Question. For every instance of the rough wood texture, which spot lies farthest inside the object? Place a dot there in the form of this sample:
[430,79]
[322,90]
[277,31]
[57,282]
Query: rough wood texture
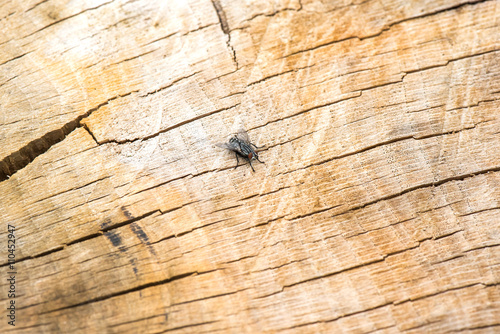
[378,208]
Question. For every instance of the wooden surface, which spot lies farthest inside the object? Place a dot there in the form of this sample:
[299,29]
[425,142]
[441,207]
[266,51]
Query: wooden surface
[377,209]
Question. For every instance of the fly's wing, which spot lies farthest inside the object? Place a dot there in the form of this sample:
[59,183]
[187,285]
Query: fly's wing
[243,135]
[224,145]
[229,146]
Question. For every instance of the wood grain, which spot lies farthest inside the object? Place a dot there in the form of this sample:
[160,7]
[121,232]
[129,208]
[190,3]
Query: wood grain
[377,208]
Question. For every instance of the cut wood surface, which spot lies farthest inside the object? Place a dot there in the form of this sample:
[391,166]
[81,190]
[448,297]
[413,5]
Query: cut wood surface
[377,209]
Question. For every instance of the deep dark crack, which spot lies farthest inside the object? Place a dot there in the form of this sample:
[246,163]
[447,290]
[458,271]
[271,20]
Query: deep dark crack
[225,28]
[21,158]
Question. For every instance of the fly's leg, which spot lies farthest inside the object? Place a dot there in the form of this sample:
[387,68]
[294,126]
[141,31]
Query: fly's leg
[257,147]
[237,160]
[250,161]
[259,160]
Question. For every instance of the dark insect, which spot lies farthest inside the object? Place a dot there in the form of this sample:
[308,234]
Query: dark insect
[240,144]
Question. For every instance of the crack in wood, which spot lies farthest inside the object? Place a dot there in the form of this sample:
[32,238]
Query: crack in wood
[25,155]
[138,320]
[448,259]
[131,290]
[386,28]
[197,324]
[36,5]
[270,192]
[211,297]
[339,317]
[221,16]
[352,96]
[101,232]
[374,229]
[242,26]
[315,278]
[421,186]
[387,142]
[421,325]
[360,92]
[475,328]
[240,259]
[480,211]
[179,34]
[70,189]
[190,120]
[225,28]
[273,76]
[363,265]
[447,62]
[280,266]
[226,208]
[67,18]
[131,58]
[411,300]
[15,58]
[482,247]
[263,223]
[449,234]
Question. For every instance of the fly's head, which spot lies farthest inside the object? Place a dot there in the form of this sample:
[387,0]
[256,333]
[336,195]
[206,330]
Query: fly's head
[253,155]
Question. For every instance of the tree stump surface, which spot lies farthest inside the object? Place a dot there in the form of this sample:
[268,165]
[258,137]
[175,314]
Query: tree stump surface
[377,209]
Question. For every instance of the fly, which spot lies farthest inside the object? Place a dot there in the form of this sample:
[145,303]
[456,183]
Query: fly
[241,146]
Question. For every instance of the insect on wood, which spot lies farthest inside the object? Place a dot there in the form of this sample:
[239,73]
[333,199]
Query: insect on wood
[241,146]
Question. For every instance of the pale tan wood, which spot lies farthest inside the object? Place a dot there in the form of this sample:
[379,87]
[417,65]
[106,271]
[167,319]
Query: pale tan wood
[377,209]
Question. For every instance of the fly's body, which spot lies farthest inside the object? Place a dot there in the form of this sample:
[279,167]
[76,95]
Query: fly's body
[241,146]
